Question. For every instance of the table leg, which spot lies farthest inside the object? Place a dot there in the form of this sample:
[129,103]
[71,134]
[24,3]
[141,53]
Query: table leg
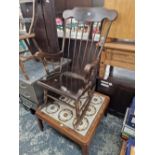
[40,124]
[85,149]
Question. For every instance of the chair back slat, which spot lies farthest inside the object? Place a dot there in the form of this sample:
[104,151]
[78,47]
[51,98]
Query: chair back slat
[70,33]
[86,44]
[79,52]
[75,45]
[92,41]
[90,14]
[84,33]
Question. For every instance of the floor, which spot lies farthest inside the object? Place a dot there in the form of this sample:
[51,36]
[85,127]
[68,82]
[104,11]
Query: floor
[49,142]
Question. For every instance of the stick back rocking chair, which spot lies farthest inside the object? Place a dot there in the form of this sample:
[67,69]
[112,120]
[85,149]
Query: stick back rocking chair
[85,30]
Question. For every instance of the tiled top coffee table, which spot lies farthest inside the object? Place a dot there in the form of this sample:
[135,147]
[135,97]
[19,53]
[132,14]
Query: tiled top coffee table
[62,118]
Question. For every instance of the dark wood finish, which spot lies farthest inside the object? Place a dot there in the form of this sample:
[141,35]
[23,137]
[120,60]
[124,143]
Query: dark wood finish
[62,5]
[42,40]
[83,141]
[39,55]
[80,3]
[90,14]
[44,24]
[120,87]
[40,124]
[80,76]
[85,149]
[45,27]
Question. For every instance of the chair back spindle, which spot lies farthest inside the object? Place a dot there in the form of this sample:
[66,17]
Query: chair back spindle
[83,30]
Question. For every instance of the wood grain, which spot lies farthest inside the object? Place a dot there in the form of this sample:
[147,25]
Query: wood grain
[119,55]
[124,26]
[123,149]
[120,46]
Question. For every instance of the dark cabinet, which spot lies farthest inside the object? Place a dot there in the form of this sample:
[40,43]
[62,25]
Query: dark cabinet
[120,88]
[62,5]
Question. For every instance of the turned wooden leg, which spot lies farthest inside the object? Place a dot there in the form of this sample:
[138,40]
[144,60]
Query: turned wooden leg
[40,124]
[45,66]
[85,150]
[23,70]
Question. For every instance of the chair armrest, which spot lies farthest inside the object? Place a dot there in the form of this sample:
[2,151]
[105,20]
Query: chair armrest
[73,75]
[26,58]
[26,36]
[41,54]
[88,68]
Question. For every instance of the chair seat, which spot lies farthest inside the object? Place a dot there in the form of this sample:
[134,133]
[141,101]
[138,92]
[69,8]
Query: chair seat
[69,87]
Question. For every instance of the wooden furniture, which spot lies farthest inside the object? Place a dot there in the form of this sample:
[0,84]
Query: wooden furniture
[83,141]
[119,51]
[79,78]
[119,55]
[62,5]
[124,26]
[27,38]
[39,17]
[38,55]
[30,93]
[41,37]
[123,149]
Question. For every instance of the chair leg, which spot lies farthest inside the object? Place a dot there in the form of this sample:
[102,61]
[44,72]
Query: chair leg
[45,96]
[45,66]
[40,124]
[85,149]
[23,70]
[78,115]
[77,108]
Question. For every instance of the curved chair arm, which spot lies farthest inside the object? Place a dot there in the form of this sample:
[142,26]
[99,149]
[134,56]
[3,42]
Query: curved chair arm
[24,58]
[89,67]
[42,55]
[73,75]
[26,36]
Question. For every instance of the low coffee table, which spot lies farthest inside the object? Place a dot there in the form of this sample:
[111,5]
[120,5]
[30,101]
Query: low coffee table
[62,117]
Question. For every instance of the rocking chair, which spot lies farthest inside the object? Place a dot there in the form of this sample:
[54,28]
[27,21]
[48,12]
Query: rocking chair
[83,44]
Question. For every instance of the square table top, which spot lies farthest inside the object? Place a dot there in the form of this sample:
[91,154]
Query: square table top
[66,128]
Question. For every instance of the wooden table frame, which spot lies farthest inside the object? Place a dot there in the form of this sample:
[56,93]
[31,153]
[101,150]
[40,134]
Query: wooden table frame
[118,55]
[123,149]
[83,141]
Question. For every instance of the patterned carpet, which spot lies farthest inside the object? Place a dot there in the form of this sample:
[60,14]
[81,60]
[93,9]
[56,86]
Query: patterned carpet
[34,142]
